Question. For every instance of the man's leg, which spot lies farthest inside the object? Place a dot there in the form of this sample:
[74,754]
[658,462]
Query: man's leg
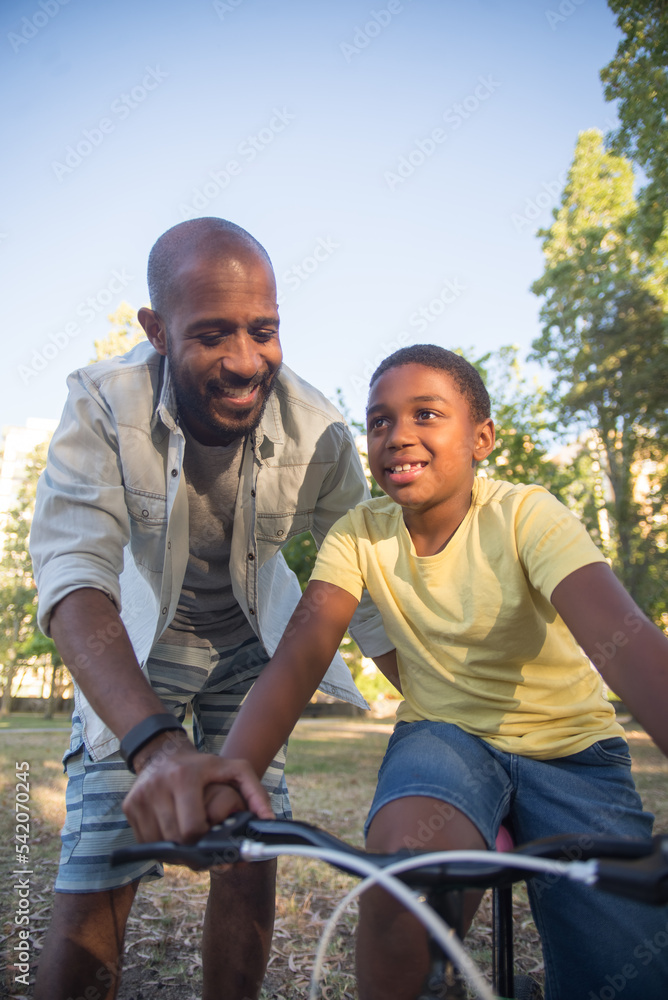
[238,925]
[82,950]
[92,900]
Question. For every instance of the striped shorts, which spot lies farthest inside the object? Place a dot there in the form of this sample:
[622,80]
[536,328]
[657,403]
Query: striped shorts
[213,682]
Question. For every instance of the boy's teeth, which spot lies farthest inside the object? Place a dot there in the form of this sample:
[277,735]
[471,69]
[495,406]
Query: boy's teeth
[402,468]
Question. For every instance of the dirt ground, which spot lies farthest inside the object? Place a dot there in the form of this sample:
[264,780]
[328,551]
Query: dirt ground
[331,781]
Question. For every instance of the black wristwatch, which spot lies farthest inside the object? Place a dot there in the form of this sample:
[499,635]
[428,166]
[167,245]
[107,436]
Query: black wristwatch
[143,733]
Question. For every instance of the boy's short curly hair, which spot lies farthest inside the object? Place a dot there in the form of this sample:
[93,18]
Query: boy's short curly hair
[461,371]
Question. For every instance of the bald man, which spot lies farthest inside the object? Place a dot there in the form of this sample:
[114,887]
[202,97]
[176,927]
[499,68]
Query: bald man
[176,475]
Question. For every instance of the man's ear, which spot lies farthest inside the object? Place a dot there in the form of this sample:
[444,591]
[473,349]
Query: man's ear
[155,329]
[485,440]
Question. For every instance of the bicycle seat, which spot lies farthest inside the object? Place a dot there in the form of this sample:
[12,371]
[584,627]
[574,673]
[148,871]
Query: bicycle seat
[504,839]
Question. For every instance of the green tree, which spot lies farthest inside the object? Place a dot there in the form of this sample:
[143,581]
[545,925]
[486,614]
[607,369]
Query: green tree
[523,428]
[603,339]
[18,596]
[125,332]
[637,78]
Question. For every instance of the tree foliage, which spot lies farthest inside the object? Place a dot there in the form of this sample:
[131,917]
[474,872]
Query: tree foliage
[604,340]
[20,639]
[125,332]
[637,78]
[18,596]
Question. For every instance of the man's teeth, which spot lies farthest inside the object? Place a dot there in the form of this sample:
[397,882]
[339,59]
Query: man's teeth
[238,393]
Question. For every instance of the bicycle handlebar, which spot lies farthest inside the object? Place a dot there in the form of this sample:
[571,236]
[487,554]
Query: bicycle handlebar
[637,869]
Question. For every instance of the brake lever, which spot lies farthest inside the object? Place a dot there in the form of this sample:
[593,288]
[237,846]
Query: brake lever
[645,879]
[220,846]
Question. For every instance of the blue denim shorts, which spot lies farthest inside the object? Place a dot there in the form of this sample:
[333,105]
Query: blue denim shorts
[591,940]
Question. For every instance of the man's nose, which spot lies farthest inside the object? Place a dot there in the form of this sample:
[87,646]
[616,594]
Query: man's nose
[241,356]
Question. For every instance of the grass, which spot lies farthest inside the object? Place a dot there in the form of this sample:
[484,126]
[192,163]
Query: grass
[332,770]
[32,720]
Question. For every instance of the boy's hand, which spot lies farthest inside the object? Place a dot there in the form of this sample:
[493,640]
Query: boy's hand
[180,793]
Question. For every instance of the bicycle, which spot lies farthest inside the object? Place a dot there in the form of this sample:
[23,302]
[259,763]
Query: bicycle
[631,868]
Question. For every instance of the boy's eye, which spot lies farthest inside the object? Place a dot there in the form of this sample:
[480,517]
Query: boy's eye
[426,415]
[376,422]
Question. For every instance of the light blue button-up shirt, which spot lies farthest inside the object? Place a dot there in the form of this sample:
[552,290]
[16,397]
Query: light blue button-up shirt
[112,510]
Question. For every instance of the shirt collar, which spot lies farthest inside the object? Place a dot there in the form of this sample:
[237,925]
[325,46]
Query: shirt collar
[165,409]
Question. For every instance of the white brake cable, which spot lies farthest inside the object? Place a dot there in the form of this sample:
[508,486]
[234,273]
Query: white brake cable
[438,928]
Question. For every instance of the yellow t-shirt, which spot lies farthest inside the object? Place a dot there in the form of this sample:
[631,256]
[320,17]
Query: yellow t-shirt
[478,642]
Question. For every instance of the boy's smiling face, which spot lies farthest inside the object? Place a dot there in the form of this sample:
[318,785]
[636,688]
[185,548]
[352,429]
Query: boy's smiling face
[422,439]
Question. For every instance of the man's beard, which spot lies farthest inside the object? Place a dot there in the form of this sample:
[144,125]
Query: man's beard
[199,404]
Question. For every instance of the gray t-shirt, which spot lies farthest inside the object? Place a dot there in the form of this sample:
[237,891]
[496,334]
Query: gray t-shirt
[208,610]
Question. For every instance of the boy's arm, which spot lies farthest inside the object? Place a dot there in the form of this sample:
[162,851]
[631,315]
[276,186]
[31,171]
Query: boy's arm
[285,686]
[629,651]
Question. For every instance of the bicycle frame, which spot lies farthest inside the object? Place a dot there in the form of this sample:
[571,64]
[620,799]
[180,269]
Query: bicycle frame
[636,869]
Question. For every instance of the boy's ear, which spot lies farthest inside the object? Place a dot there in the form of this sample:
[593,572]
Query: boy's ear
[485,440]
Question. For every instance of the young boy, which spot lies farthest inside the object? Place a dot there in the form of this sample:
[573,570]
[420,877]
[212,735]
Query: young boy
[486,589]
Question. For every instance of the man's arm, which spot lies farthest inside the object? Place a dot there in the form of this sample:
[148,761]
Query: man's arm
[387,664]
[610,627]
[173,775]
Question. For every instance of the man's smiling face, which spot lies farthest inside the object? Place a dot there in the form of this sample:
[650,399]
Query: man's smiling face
[221,339]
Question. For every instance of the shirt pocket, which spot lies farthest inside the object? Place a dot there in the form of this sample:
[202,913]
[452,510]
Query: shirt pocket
[147,513]
[278,528]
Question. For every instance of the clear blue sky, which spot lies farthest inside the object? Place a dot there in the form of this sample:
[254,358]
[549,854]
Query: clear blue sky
[122,118]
